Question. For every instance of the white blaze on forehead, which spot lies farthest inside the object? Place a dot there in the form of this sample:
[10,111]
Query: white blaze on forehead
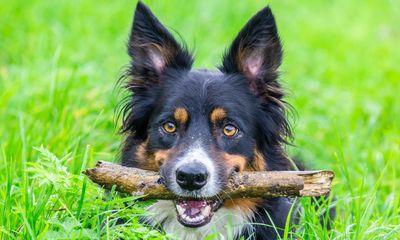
[197,154]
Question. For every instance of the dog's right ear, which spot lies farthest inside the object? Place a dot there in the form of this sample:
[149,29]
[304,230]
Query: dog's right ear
[153,49]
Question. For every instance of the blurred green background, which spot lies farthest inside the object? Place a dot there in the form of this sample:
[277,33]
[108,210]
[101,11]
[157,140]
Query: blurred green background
[60,60]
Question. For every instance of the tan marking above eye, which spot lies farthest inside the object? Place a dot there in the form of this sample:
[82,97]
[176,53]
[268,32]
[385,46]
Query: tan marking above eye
[229,130]
[181,115]
[218,114]
[169,127]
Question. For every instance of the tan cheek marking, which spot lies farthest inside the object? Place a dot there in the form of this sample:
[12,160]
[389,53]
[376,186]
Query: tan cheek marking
[181,115]
[217,115]
[141,151]
[161,156]
[148,161]
[259,162]
[249,205]
[246,205]
[143,158]
[233,160]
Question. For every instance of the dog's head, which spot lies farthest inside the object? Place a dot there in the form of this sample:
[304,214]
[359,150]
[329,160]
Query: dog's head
[197,126]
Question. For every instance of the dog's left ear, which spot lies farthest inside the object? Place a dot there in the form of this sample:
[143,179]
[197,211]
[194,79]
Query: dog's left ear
[256,53]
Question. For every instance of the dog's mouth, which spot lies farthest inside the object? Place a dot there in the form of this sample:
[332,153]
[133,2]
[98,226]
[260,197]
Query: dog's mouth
[196,213]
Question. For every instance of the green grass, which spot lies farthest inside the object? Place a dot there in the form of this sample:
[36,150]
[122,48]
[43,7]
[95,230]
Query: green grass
[59,61]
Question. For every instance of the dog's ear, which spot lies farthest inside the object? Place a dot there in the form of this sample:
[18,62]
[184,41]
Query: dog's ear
[256,53]
[152,48]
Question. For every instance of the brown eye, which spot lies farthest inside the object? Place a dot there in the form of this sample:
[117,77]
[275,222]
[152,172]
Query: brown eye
[169,127]
[229,130]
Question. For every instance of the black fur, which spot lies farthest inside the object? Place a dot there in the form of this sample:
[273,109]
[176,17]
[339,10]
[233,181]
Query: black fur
[160,79]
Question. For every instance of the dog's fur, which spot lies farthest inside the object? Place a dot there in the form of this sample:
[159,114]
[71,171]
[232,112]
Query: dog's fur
[244,92]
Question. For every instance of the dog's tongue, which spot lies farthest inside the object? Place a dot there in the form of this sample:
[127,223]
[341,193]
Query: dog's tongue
[196,203]
[194,207]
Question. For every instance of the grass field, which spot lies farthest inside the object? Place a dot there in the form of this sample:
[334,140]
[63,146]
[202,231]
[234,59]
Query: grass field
[60,60]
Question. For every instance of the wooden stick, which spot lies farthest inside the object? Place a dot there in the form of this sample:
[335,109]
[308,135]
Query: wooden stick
[265,184]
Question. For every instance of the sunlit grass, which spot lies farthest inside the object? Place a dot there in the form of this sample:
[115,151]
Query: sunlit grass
[59,61]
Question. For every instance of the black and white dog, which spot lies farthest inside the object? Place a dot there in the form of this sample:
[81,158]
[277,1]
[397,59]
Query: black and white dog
[196,127]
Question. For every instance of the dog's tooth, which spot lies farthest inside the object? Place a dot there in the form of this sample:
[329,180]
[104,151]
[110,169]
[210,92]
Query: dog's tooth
[180,209]
[215,204]
[206,211]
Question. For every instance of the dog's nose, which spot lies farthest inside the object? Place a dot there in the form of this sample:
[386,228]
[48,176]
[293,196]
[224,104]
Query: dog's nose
[191,177]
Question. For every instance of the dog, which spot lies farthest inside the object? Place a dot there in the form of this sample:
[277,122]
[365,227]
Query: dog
[197,127]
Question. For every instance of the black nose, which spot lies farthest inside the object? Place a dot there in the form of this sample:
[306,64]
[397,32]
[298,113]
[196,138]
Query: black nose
[191,177]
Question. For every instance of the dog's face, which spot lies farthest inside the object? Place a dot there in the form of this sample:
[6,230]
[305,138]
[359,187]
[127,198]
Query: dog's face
[197,127]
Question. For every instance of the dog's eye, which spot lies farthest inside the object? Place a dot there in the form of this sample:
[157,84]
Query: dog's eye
[169,127]
[230,130]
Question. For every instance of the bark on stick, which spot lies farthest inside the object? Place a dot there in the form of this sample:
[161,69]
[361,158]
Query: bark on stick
[263,184]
